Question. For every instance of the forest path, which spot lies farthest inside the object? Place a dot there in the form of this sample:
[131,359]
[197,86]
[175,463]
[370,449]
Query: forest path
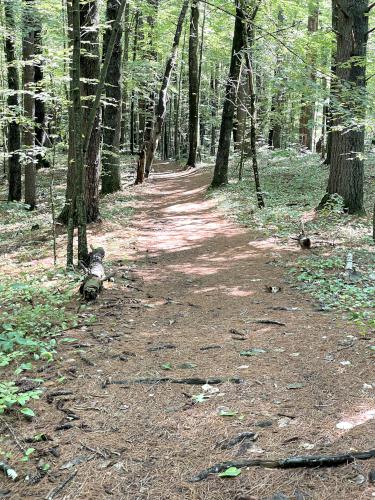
[187,306]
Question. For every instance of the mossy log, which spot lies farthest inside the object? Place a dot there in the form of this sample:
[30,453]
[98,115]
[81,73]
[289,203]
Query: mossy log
[93,283]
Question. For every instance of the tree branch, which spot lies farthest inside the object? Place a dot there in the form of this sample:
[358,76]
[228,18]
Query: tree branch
[371,6]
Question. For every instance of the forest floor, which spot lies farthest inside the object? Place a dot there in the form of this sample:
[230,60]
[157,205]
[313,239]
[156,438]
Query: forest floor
[191,299]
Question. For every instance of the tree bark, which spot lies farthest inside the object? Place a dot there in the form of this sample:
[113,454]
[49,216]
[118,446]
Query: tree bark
[163,94]
[125,65]
[329,110]
[307,116]
[193,85]
[133,124]
[90,71]
[28,47]
[277,103]
[14,133]
[177,107]
[111,178]
[347,166]
[222,157]
[41,136]
[214,99]
[78,204]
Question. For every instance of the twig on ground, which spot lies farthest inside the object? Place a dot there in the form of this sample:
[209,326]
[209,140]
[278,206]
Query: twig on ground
[51,495]
[22,448]
[269,322]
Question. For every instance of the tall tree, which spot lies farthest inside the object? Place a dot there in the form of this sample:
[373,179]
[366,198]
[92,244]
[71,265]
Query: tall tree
[14,133]
[193,84]
[307,117]
[41,136]
[161,107]
[28,50]
[278,97]
[222,156]
[78,205]
[90,73]
[332,99]
[348,139]
[111,178]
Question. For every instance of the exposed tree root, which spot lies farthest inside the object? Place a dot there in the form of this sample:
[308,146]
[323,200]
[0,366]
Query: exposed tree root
[287,463]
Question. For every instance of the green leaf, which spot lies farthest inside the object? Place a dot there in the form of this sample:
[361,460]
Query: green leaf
[228,413]
[28,412]
[230,472]
[199,398]
[167,366]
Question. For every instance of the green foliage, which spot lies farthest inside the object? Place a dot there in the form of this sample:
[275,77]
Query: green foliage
[33,314]
[327,281]
[10,396]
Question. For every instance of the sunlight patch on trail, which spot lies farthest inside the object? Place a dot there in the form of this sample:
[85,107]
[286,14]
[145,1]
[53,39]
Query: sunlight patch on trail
[356,420]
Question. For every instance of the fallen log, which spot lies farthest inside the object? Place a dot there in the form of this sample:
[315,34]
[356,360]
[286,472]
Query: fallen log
[309,461]
[163,380]
[93,283]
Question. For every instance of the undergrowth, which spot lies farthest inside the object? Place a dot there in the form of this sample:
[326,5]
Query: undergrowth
[33,316]
[35,296]
[293,185]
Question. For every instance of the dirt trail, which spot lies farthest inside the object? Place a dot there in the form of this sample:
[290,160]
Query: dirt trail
[197,279]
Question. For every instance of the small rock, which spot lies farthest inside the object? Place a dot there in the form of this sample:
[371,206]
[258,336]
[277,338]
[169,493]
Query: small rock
[344,426]
[371,476]
[295,386]
[367,386]
[284,422]
[264,423]
[278,496]
[360,479]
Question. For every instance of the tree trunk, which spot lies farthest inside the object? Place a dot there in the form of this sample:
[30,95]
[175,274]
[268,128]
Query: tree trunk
[14,133]
[28,46]
[222,157]
[125,64]
[327,161]
[150,55]
[111,178]
[278,97]
[193,85]
[177,107]
[133,124]
[78,204]
[347,169]
[307,117]
[90,73]
[248,42]
[163,94]
[214,88]
[41,136]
